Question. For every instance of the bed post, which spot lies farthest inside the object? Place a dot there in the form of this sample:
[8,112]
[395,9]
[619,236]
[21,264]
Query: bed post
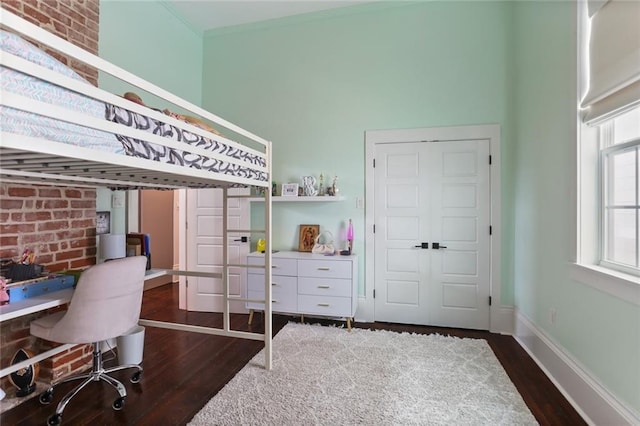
[225,259]
[268,334]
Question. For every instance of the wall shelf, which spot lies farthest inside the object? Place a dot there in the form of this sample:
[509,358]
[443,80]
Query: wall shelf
[302,199]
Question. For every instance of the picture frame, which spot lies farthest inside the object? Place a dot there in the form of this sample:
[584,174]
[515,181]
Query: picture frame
[289,189]
[103,223]
[307,237]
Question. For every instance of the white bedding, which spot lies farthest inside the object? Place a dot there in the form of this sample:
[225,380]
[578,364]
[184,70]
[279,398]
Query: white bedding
[29,124]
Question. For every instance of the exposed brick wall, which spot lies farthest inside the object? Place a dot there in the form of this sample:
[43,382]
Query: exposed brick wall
[58,223]
[74,20]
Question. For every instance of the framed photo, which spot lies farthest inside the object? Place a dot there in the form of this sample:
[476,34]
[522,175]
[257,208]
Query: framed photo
[103,223]
[289,189]
[308,234]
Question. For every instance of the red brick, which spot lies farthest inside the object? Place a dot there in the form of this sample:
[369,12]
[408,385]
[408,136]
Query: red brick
[6,204]
[17,228]
[7,241]
[21,192]
[83,204]
[11,252]
[53,226]
[46,259]
[73,193]
[84,223]
[61,214]
[80,263]
[52,204]
[37,238]
[37,216]
[87,242]
[49,193]
[66,255]
[69,234]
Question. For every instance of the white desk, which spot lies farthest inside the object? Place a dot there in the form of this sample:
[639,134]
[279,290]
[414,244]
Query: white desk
[44,302]
[35,304]
[51,300]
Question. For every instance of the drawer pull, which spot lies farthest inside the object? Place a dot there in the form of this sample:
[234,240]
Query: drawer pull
[326,305]
[324,286]
[324,268]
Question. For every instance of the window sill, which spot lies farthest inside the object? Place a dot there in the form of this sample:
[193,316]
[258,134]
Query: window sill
[618,284]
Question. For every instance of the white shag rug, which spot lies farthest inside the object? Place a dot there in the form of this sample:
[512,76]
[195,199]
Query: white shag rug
[330,376]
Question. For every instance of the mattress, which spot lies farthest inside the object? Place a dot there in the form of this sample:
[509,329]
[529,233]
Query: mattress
[30,124]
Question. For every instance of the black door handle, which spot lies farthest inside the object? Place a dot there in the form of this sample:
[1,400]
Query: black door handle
[437,246]
[423,246]
[243,239]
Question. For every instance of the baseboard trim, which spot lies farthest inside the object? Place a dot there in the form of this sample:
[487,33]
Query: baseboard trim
[588,396]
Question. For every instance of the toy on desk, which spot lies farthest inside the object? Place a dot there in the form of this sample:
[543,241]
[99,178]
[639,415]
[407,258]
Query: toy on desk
[23,269]
[4,295]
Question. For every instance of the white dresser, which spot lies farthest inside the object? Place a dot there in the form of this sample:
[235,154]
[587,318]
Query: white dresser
[306,284]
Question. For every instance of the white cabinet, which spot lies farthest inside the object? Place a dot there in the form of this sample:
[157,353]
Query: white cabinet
[306,284]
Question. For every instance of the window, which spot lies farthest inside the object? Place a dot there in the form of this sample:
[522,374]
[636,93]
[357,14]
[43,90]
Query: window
[608,148]
[619,183]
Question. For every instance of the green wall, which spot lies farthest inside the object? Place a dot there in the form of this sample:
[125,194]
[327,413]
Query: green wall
[146,39]
[314,84]
[600,331]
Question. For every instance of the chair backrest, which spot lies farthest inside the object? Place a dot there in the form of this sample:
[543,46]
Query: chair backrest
[106,302]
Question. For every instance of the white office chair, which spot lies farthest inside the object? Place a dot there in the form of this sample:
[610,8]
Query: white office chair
[105,304]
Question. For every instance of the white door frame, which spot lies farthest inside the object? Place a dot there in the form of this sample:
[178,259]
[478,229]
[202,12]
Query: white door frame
[501,319]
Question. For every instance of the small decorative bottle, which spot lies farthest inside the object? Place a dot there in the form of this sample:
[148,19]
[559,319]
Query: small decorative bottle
[321,186]
[350,236]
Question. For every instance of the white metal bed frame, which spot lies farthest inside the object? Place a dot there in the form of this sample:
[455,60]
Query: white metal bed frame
[32,160]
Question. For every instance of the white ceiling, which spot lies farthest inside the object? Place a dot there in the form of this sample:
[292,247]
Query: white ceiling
[210,14]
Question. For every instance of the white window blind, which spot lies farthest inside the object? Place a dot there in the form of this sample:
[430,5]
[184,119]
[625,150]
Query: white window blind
[614,59]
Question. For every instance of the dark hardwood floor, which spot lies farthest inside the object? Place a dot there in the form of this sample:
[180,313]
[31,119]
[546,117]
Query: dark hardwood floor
[185,370]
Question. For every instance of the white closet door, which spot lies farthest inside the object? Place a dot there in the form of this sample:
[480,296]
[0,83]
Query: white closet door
[432,192]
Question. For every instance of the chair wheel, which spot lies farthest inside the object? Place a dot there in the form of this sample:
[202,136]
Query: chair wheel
[136,377]
[54,420]
[46,397]
[118,403]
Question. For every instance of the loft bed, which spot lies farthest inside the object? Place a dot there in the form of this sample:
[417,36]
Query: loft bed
[58,129]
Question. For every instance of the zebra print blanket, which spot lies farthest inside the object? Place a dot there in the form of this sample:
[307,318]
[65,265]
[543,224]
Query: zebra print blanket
[142,149]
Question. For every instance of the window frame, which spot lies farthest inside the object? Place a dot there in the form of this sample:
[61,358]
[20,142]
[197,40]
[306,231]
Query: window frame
[608,147]
[585,265]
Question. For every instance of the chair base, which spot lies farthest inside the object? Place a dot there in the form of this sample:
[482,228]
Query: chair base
[97,373]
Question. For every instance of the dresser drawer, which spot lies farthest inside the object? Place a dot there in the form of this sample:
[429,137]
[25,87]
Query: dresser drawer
[278,266]
[324,268]
[324,286]
[280,301]
[255,282]
[325,305]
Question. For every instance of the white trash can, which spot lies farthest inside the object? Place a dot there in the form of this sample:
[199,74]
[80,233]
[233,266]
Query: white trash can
[131,346]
